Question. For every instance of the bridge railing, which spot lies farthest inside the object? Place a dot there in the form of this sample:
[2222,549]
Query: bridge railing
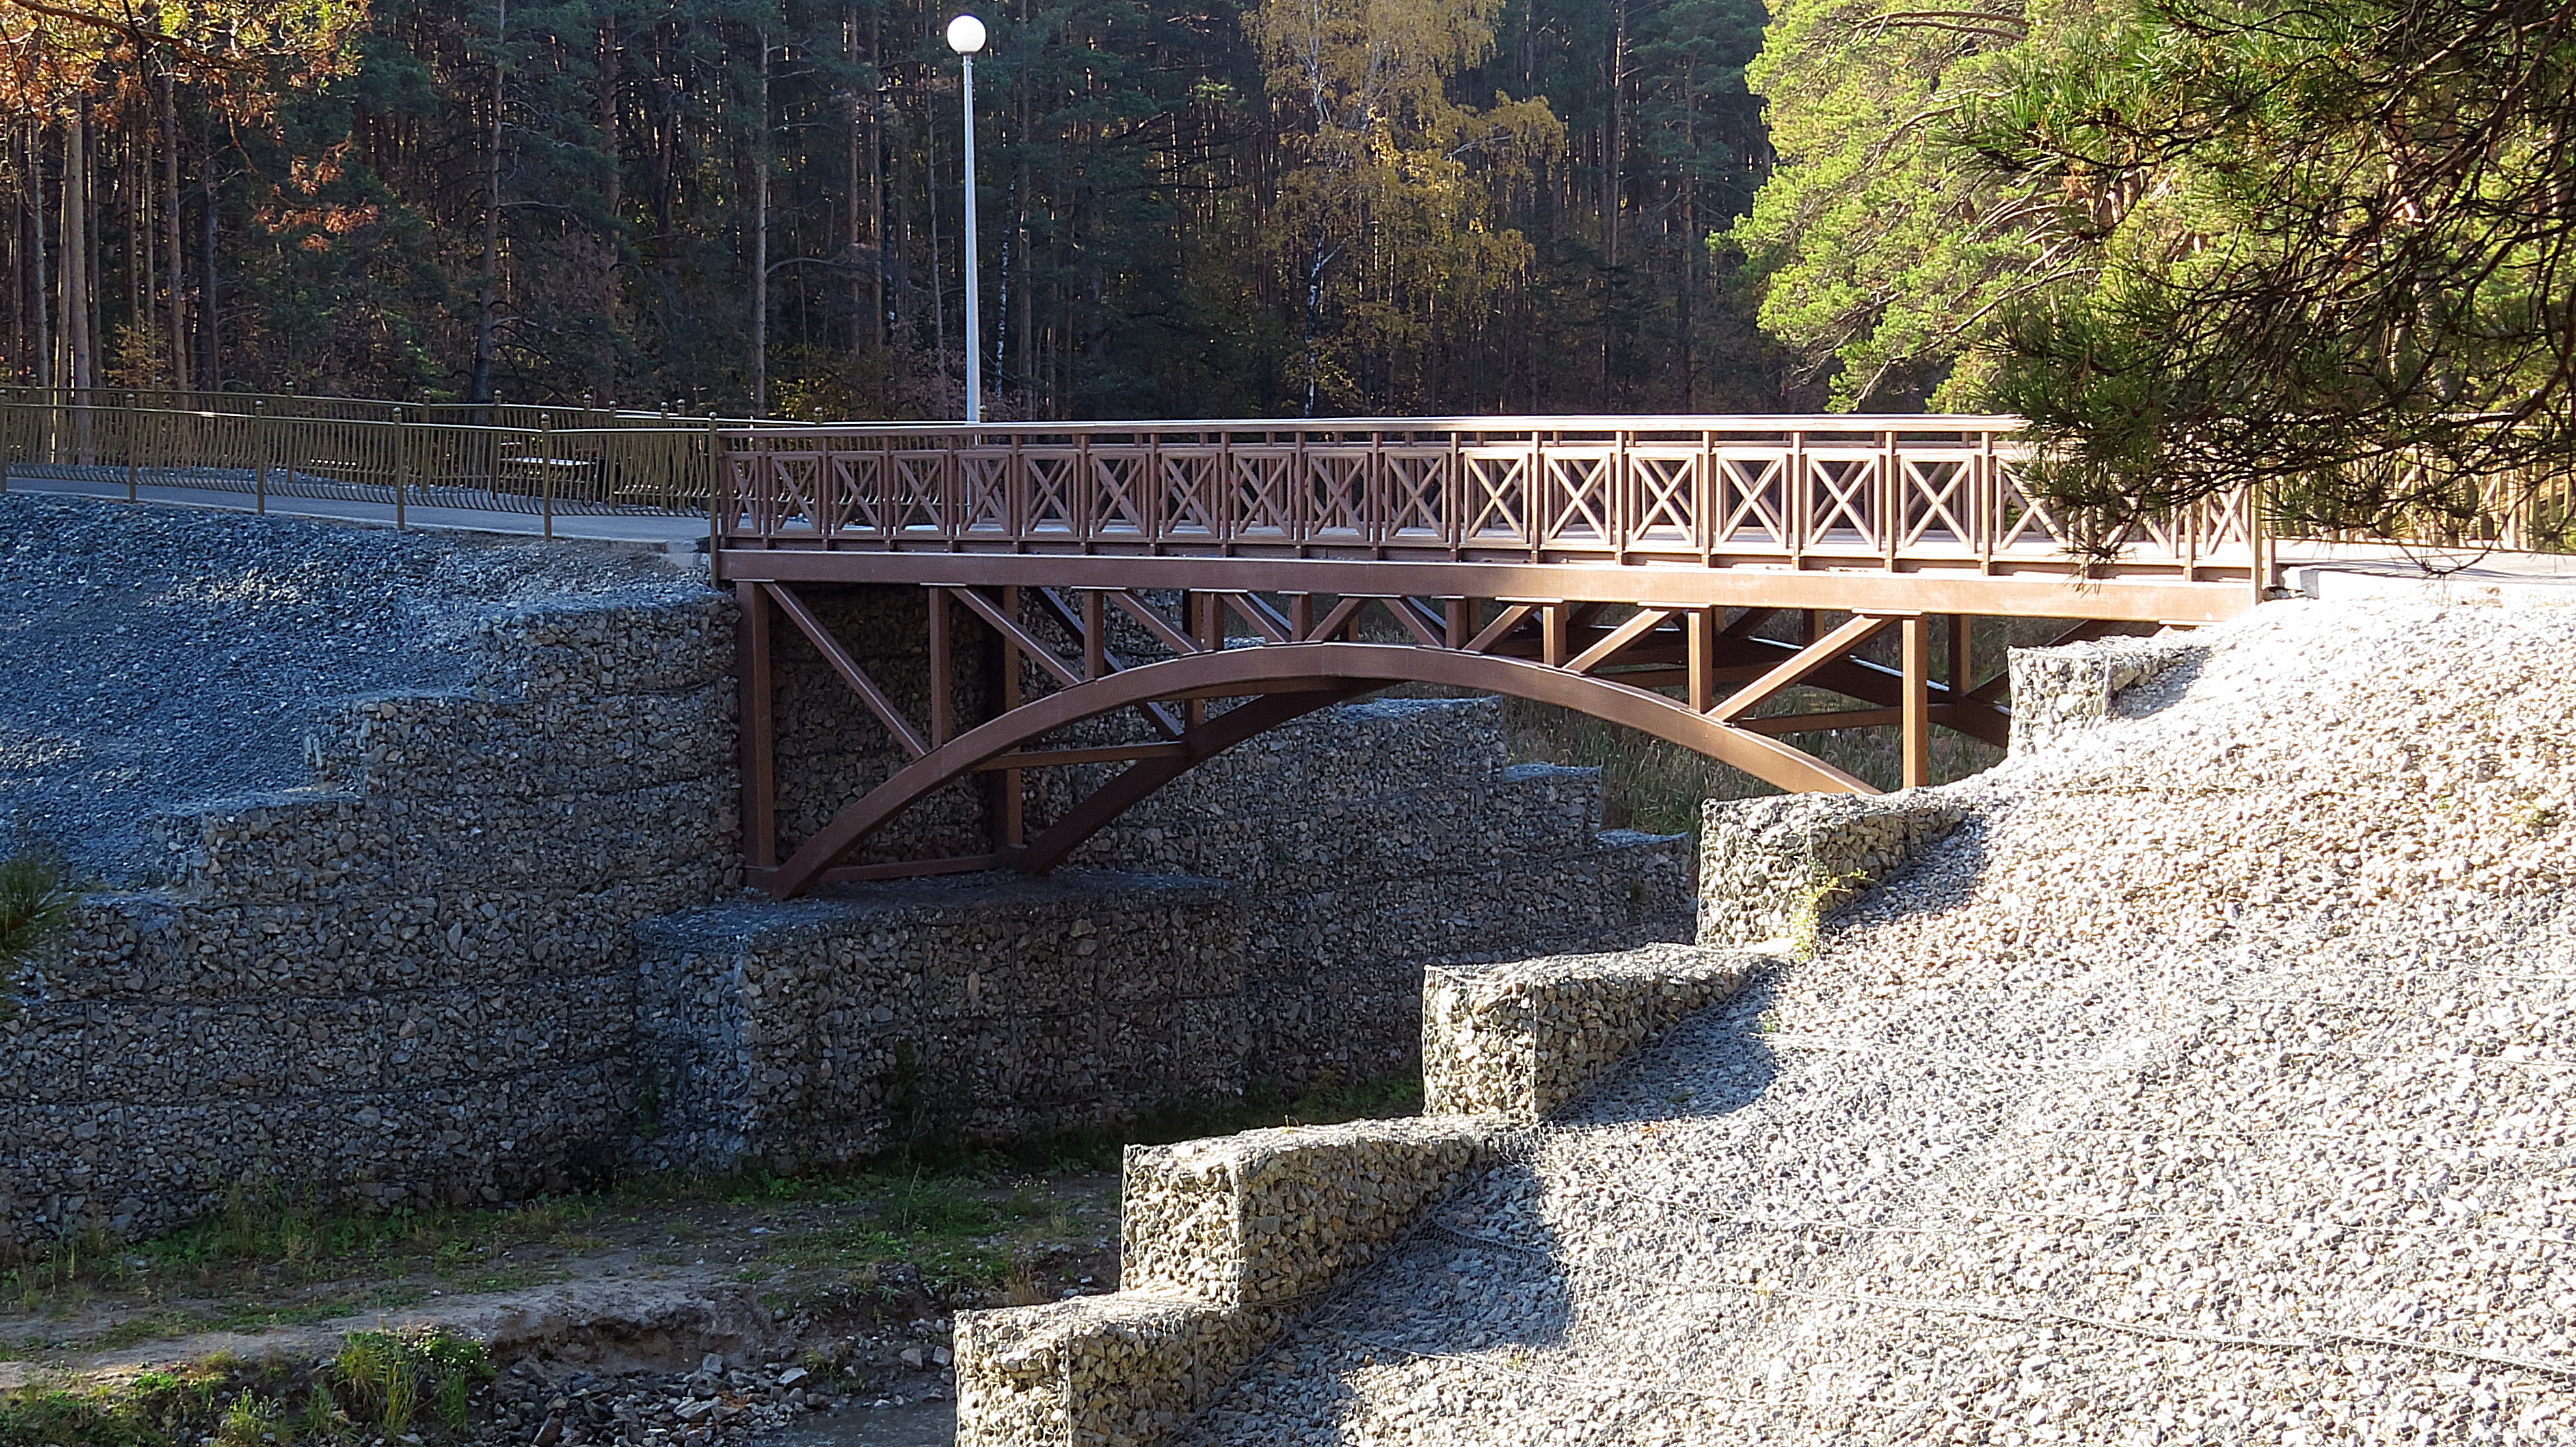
[1820,492]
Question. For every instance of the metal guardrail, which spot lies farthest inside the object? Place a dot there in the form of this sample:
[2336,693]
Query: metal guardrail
[365,409]
[405,460]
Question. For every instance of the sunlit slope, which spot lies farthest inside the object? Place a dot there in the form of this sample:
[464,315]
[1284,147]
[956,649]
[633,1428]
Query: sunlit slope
[2215,1083]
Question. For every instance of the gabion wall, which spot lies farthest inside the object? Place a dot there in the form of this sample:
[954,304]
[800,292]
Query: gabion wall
[421,978]
[411,982]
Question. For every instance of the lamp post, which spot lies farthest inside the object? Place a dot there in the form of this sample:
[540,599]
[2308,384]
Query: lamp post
[966,36]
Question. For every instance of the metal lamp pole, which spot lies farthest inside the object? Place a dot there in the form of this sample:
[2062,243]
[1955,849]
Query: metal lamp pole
[966,36]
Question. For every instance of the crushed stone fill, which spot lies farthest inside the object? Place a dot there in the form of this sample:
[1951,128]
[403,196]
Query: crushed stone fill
[2216,1083]
[154,657]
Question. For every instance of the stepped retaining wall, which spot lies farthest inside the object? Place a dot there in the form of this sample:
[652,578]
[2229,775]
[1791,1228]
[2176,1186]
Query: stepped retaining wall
[419,979]
[411,982]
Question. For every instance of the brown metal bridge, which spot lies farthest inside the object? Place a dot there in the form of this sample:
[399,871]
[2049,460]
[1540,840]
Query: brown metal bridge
[1618,566]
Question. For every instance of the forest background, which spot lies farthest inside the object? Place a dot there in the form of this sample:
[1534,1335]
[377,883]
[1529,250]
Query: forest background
[1292,207]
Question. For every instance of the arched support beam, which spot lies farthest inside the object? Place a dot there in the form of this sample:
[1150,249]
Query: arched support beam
[1283,671]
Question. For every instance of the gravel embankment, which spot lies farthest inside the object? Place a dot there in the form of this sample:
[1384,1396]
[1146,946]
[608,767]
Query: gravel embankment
[156,657]
[2216,1083]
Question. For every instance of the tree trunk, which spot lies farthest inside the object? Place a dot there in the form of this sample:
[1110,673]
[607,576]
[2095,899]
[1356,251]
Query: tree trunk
[93,294]
[614,201]
[760,246]
[854,199]
[876,189]
[80,349]
[170,236]
[487,301]
[134,188]
[41,289]
[210,355]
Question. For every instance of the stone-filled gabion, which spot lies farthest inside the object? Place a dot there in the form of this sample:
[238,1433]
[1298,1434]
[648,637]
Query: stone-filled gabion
[1521,1040]
[986,1008]
[1270,1215]
[1223,1240]
[2057,691]
[1098,1371]
[1769,869]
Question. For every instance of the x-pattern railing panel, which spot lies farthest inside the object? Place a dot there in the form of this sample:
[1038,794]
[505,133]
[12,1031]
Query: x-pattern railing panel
[1262,494]
[1049,483]
[1937,491]
[1580,485]
[1336,492]
[1798,491]
[1496,490]
[1120,486]
[1663,500]
[1416,482]
[1841,487]
[1748,500]
[1191,500]
[851,477]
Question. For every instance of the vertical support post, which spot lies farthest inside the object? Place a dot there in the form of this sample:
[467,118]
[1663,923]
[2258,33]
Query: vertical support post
[756,712]
[1962,670]
[719,498]
[1095,635]
[1917,633]
[1552,619]
[546,469]
[260,434]
[1301,608]
[1699,631]
[1004,806]
[1460,622]
[403,431]
[2258,542]
[133,417]
[943,719]
[1194,608]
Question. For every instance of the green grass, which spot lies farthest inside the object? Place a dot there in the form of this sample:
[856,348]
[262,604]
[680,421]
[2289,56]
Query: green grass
[386,1381]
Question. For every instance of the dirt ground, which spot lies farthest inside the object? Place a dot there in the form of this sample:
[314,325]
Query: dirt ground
[856,1276]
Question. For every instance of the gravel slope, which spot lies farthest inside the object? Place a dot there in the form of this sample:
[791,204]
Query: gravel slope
[2215,1084]
[154,656]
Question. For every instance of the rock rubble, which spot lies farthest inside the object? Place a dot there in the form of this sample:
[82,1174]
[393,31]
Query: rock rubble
[719,1402]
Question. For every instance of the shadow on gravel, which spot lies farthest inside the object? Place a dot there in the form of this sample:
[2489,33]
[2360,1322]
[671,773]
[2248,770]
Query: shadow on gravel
[1489,1283]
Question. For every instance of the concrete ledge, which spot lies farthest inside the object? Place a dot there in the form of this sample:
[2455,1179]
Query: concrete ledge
[1521,1040]
[1770,869]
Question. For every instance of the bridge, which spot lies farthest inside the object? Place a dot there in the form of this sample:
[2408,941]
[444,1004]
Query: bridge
[1216,580]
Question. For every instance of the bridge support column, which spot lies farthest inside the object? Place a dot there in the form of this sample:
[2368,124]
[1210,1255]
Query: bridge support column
[755,712]
[1916,632]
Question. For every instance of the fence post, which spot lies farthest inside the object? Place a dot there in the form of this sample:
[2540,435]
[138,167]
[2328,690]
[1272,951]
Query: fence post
[131,404]
[259,449]
[402,460]
[546,469]
[717,494]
